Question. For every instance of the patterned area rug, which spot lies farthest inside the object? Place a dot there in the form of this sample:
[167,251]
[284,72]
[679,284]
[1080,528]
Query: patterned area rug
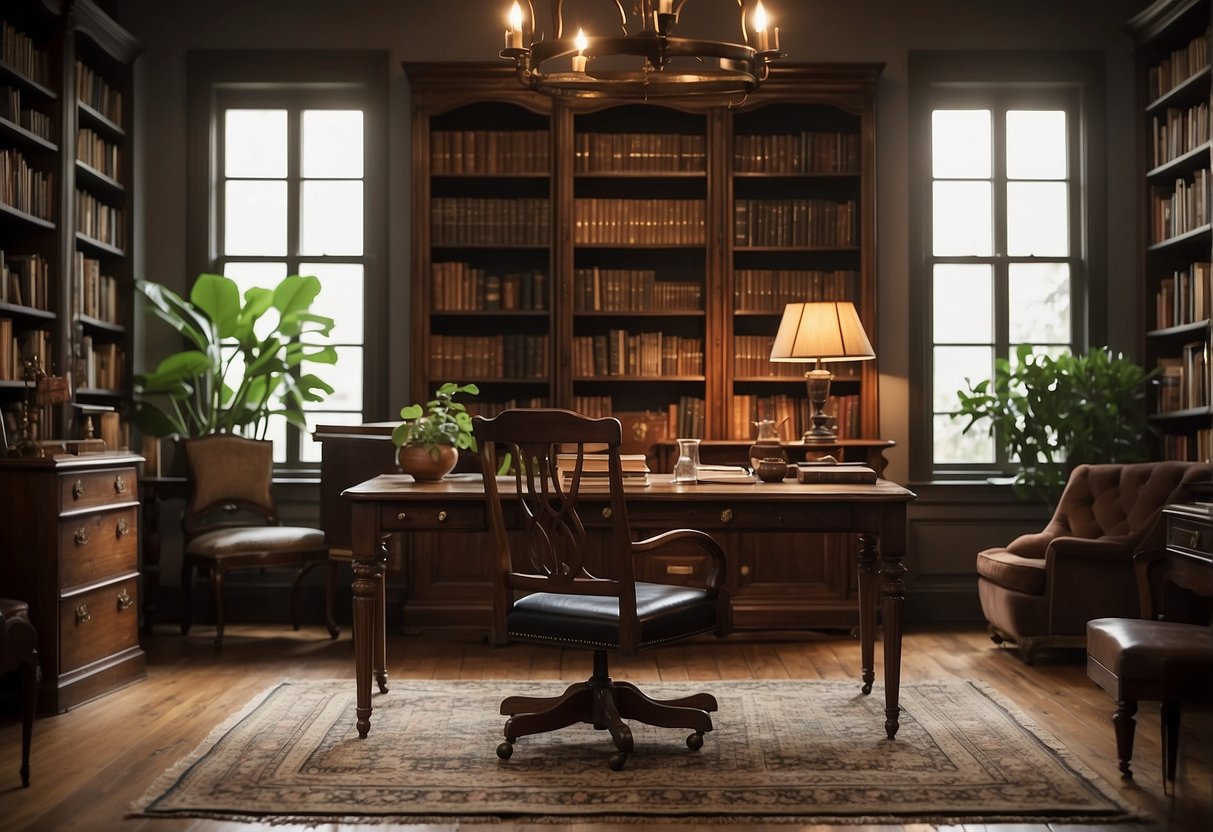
[803,751]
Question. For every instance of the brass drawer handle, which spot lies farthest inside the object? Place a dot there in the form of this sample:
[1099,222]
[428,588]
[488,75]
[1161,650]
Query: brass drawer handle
[675,569]
[122,528]
[402,516]
[726,515]
[442,516]
[1194,539]
[81,536]
[745,570]
[606,512]
[82,614]
[119,484]
[77,489]
[125,601]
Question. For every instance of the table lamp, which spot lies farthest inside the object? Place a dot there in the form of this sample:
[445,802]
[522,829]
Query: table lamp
[820,332]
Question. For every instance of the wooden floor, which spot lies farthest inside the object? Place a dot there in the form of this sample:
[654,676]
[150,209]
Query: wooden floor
[89,764]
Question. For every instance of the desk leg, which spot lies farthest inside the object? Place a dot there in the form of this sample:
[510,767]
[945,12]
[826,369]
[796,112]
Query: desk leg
[893,588]
[368,576]
[381,627]
[868,591]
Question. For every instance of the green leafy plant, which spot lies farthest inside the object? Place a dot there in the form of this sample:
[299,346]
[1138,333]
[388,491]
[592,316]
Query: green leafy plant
[442,421]
[245,362]
[1051,413]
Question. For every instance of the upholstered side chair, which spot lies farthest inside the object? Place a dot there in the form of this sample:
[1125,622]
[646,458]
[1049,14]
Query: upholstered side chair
[19,652]
[1041,589]
[231,522]
[567,578]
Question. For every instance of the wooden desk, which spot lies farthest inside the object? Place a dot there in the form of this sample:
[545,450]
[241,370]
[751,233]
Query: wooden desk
[877,513]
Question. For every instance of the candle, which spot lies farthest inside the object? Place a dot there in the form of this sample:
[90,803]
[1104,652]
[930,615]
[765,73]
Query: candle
[579,59]
[665,6]
[513,35]
[763,39]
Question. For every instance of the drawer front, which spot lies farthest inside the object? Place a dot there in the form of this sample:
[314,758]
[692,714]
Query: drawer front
[1190,536]
[94,489]
[95,546]
[403,518]
[98,623]
[683,569]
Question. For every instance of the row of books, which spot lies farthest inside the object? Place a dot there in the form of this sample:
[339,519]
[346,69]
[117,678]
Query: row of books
[794,222]
[598,221]
[94,294]
[1194,447]
[17,49]
[639,152]
[752,358]
[25,280]
[1177,67]
[35,121]
[807,152]
[16,346]
[645,354]
[93,90]
[458,221]
[1184,379]
[488,409]
[683,418]
[103,363]
[99,154]
[489,151]
[768,290]
[1175,212]
[489,356]
[792,414]
[457,286]
[632,290]
[1178,131]
[1184,296]
[97,220]
[26,188]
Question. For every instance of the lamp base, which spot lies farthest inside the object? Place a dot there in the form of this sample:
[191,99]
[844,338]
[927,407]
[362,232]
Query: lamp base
[818,382]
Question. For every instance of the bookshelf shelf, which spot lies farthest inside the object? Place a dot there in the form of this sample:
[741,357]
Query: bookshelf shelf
[1184,91]
[1195,158]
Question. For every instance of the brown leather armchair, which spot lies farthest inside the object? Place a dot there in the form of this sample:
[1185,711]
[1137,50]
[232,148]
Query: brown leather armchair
[1041,589]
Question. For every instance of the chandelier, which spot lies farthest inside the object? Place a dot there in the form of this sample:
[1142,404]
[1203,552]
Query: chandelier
[669,66]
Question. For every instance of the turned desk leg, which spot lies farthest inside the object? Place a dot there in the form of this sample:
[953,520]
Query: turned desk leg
[368,576]
[893,588]
[868,591]
[381,627]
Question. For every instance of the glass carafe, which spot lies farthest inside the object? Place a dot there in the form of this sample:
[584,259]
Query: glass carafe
[686,469]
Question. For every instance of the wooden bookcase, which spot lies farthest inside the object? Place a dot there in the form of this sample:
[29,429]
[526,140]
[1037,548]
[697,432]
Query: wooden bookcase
[66,132]
[1175,83]
[651,248]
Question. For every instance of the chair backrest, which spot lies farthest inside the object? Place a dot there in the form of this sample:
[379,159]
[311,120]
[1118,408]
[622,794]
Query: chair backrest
[230,483]
[549,550]
[1123,500]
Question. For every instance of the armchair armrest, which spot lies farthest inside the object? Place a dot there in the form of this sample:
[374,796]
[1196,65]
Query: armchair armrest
[1089,578]
[703,540]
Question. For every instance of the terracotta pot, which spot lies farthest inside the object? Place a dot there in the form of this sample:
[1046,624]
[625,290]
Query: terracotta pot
[417,461]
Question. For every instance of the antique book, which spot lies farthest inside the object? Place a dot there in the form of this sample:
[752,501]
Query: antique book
[842,472]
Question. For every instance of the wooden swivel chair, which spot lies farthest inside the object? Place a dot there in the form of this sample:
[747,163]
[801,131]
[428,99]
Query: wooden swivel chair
[1159,657]
[561,585]
[231,522]
[19,652]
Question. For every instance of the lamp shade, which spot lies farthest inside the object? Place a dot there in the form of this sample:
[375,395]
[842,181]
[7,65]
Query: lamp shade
[821,331]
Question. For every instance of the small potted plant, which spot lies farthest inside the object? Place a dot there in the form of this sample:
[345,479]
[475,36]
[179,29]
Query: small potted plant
[431,436]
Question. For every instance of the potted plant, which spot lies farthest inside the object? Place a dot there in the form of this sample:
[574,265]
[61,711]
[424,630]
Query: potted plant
[1051,413]
[430,437]
[245,361]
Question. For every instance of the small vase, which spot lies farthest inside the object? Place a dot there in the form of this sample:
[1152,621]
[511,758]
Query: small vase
[416,461]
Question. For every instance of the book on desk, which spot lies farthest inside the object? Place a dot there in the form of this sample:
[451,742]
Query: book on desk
[596,474]
[835,472]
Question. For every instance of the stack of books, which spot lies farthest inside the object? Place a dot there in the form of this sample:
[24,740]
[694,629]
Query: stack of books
[596,474]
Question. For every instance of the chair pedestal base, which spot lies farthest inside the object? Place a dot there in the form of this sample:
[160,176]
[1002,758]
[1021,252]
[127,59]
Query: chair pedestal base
[605,704]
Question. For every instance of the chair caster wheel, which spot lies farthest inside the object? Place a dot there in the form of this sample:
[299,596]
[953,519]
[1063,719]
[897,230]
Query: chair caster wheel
[867,688]
[505,750]
[617,761]
[695,741]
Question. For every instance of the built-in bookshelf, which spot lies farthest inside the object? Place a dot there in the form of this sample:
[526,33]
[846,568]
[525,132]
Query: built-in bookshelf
[65,204]
[1175,87]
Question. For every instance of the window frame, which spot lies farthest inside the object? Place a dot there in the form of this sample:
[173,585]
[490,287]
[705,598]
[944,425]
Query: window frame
[1000,81]
[294,81]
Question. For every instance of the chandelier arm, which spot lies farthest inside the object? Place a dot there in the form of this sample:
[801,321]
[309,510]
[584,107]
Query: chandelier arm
[745,31]
[530,22]
[558,18]
[623,18]
[678,8]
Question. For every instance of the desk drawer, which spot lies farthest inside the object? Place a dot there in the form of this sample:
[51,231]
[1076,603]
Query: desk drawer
[95,546]
[1190,535]
[684,569]
[93,489]
[98,623]
[405,518]
[723,516]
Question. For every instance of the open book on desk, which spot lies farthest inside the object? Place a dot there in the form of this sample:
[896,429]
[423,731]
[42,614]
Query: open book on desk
[723,473]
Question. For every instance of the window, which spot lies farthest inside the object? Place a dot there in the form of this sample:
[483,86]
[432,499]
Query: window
[1003,242]
[291,177]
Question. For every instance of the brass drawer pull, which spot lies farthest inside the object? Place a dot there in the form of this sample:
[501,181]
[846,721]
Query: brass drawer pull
[82,614]
[77,489]
[442,516]
[119,484]
[1194,539]
[402,516]
[81,536]
[675,569]
[606,512]
[125,601]
[745,570]
[726,515]
[122,528]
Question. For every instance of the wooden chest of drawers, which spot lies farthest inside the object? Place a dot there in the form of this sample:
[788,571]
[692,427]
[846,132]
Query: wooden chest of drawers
[69,544]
